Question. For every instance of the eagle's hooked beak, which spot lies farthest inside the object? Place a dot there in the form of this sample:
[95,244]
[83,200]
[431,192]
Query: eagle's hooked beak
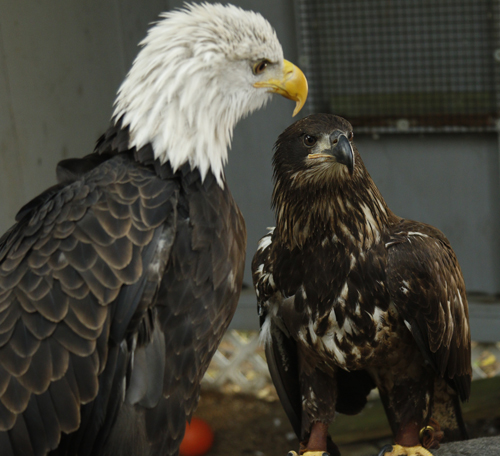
[293,85]
[342,150]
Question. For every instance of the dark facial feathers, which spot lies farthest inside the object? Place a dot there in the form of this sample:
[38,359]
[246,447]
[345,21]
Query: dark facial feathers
[290,150]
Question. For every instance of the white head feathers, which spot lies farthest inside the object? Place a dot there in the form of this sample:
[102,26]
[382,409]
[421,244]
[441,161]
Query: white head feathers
[192,81]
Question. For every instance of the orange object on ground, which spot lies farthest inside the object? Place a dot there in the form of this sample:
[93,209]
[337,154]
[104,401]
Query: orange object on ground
[198,438]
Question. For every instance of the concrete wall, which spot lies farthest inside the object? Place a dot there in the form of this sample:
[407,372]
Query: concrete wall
[61,63]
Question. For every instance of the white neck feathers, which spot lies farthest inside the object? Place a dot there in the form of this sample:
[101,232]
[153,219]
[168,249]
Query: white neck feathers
[183,93]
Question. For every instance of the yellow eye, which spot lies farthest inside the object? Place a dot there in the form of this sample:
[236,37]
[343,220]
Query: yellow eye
[260,66]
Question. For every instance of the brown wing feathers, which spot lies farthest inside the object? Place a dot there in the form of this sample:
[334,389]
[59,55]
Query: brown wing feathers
[427,287]
[62,268]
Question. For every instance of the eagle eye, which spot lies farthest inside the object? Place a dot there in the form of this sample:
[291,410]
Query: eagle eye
[309,140]
[350,136]
[260,66]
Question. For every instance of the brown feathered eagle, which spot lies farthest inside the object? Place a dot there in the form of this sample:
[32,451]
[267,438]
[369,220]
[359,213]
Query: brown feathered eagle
[117,284]
[352,296]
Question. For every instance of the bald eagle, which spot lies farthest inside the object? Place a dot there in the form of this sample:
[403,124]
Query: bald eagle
[352,296]
[117,284]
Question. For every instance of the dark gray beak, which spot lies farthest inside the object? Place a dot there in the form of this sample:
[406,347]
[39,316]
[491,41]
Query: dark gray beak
[342,150]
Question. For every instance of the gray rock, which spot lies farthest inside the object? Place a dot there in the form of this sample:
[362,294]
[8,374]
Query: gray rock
[485,446]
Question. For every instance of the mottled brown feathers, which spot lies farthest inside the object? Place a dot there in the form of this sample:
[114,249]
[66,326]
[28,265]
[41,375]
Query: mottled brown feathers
[355,295]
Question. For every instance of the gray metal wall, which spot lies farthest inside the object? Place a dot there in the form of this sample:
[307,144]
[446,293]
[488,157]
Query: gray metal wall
[61,63]
[450,181]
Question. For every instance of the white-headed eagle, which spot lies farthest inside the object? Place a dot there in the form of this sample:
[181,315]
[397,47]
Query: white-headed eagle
[352,296]
[117,284]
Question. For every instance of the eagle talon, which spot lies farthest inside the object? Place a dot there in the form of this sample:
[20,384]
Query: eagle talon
[386,448]
[399,450]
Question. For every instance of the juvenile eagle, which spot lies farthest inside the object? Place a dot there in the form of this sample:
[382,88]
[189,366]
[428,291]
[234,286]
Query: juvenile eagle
[352,296]
[117,284]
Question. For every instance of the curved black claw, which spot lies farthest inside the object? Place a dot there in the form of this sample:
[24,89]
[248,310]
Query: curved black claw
[386,449]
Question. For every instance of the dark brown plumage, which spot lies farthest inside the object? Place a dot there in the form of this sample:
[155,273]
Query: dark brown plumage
[116,286]
[352,296]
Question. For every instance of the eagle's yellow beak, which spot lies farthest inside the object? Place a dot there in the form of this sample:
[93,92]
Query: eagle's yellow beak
[293,85]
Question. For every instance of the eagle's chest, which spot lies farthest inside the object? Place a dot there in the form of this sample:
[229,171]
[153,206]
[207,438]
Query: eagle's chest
[205,270]
[358,342]
[341,310]
[218,240]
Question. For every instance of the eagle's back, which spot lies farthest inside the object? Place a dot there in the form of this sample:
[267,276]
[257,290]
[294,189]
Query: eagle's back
[116,286]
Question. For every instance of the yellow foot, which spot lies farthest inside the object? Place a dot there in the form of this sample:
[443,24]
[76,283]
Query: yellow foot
[309,453]
[398,450]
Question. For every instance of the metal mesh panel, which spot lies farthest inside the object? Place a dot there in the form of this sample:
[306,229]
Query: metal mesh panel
[405,65]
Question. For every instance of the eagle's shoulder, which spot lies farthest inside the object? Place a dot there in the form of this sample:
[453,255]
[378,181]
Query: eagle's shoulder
[404,230]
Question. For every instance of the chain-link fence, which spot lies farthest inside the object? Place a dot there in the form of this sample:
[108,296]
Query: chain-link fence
[403,66]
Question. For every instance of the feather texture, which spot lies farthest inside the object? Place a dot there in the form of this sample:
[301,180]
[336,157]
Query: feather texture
[352,296]
[134,275]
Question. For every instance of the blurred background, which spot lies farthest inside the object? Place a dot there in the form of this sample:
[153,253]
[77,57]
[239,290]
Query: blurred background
[418,79]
